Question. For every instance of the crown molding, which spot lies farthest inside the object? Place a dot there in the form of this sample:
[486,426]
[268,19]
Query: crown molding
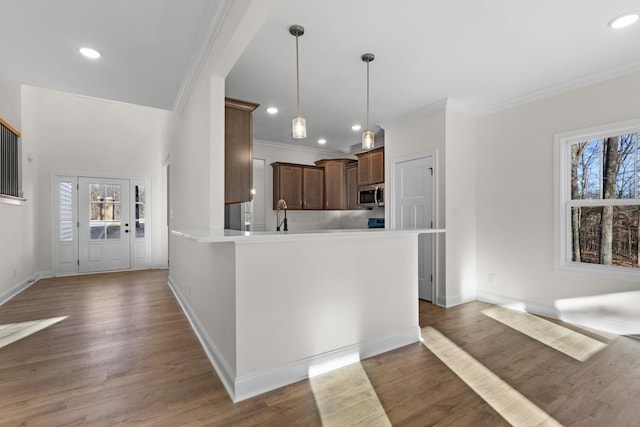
[566,86]
[207,37]
[283,146]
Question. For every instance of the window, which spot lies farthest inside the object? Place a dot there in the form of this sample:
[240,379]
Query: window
[10,182]
[599,199]
[139,201]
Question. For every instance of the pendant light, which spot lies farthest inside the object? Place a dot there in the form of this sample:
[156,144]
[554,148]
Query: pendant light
[368,137]
[299,124]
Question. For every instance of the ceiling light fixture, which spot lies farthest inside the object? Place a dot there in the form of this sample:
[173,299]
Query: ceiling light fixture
[89,52]
[623,21]
[272,110]
[322,141]
[356,127]
[298,125]
[368,137]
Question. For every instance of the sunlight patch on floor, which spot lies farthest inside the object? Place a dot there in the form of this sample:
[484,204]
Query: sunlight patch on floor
[12,332]
[345,397]
[569,342]
[508,402]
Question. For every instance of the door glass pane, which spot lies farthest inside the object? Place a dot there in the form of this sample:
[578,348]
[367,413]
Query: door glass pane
[96,192]
[97,230]
[139,210]
[113,230]
[66,210]
[139,197]
[139,220]
[113,191]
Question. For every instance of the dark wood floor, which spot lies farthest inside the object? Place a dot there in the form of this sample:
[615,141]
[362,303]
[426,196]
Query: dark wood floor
[126,355]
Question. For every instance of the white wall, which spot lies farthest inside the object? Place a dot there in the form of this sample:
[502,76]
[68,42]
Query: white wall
[80,135]
[305,220]
[17,222]
[422,132]
[515,208]
[460,204]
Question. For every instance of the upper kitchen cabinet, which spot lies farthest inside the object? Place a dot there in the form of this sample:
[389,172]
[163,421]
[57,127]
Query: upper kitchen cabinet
[371,167]
[313,187]
[335,182]
[300,186]
[352,186]
[238,164]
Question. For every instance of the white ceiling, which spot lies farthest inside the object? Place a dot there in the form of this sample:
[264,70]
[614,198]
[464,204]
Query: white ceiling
[151,49]
[483,55]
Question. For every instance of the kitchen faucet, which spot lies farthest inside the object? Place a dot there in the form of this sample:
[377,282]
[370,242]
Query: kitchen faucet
[281,205]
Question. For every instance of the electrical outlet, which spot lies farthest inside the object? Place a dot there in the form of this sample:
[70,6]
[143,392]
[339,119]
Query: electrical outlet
[492,279]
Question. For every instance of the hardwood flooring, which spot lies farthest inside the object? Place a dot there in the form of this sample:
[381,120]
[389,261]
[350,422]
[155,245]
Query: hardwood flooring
[126,355]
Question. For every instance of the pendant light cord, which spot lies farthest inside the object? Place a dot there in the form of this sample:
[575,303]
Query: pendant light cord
[297,78]
[367,95]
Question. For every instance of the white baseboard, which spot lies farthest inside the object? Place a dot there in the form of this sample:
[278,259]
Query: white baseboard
[246,386]
[227,376]
[456,300]
[528,306]
[260,382]
[22,286]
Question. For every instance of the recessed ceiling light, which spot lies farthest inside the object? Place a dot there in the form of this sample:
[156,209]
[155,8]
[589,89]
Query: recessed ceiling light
[90,53]
[322,141]
[356,127]
[272,110]
[623,21]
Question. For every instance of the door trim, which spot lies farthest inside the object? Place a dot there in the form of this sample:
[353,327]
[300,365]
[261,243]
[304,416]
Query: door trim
[390,211]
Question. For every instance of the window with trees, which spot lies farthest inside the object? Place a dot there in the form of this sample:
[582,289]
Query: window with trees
[599,207]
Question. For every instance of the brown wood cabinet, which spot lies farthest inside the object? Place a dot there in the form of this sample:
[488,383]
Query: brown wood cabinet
[352,186]
[312,187]
[371,167]
[300,186]
[238,150]
[335,182]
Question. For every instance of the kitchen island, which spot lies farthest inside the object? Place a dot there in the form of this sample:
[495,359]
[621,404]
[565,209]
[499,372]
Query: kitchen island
[273,308]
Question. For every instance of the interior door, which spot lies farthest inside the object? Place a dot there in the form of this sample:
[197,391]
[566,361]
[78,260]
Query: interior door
[414,209]
[103,219]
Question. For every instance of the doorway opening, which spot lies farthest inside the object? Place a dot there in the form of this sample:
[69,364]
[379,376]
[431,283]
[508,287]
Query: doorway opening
[414,206]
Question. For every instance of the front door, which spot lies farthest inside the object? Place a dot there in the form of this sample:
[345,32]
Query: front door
[414,209]
[104,240]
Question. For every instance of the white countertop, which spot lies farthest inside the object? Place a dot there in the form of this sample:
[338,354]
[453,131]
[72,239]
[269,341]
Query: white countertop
[219,236]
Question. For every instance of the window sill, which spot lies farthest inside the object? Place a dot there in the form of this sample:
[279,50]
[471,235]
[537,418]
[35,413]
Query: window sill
[12,200]
[604,271]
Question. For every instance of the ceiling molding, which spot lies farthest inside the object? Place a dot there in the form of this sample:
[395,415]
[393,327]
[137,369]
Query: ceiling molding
[216,16]
[569,85]
[283,146]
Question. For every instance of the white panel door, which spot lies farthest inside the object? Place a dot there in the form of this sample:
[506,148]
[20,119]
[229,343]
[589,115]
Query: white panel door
[104,236]
[414,209]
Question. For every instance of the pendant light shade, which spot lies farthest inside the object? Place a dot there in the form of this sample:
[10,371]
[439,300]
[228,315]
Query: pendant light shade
[299,128]
[368,137]
[299,124]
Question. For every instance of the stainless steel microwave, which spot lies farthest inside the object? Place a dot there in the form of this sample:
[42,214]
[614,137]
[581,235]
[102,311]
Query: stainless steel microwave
[370,196]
